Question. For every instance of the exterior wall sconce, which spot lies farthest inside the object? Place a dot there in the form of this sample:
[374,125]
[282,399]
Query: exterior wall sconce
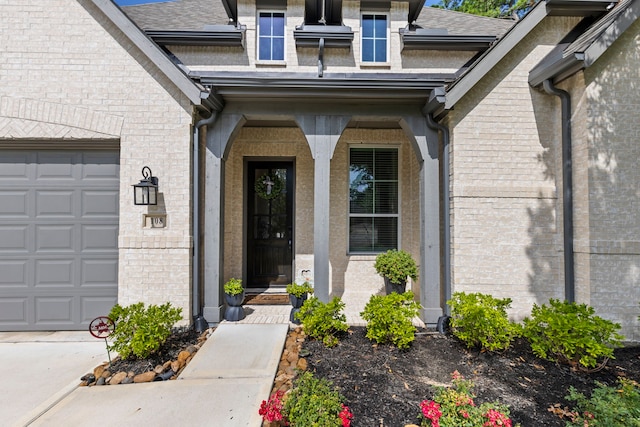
[146,191]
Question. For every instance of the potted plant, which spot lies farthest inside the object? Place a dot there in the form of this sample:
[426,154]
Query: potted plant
[395,266]
[234,296]
[297,295]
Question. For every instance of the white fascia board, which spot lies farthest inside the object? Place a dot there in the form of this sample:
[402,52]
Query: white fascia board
[151,50]
[611,34]
[496,53]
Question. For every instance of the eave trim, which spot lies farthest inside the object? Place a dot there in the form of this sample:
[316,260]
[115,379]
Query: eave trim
[230,36]
[415,40]
[489,60]
[334,36]
[557,71]
[569,65]
[612,33]
[332,86]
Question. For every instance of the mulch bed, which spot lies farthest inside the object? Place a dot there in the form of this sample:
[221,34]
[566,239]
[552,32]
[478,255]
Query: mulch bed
[384,386]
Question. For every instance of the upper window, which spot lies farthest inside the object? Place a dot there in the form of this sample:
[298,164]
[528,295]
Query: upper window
[373,199]
[374,37]
[271,36]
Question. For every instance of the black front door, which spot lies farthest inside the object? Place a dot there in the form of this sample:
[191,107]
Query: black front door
[270,224]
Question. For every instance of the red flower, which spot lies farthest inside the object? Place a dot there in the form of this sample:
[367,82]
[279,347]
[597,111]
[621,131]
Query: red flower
[496,419]
[431,411]
[272,410]
[346,416]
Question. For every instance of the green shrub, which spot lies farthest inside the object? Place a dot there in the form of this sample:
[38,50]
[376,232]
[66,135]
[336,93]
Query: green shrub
[480,320]
[607,407]
[389,318]
[233,287]
[299,290]
[323,321]
[141,331]
[315,402]
[396,266]
[571,333]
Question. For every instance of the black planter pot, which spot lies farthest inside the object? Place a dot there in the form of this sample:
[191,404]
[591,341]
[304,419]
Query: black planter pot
[234,310]
[296,303]
[391,287]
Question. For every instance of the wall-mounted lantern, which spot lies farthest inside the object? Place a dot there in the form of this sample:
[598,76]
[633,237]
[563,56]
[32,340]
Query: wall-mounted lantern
[146,191]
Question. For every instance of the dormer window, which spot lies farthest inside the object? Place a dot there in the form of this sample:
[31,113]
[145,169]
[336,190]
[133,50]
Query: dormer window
[271,36]
[375,36]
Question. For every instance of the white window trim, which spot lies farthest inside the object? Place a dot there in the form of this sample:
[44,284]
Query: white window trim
[270,61]
[397,146]
[388,19]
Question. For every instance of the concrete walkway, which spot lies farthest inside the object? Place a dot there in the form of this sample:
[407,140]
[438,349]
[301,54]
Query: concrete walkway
[222,386]
[40,368]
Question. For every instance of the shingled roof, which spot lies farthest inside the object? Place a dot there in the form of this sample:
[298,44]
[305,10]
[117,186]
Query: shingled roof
[457,23]
[195,14]
[178,14]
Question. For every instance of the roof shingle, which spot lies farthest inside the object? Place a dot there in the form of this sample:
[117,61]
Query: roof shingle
[195,14]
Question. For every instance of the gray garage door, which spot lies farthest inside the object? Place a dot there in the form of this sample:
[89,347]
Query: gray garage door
[58,238]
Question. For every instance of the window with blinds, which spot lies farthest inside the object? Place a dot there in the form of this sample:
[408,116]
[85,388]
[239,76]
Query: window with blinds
[373,199]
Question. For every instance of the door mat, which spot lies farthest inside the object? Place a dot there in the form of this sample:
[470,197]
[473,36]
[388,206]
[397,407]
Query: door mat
[267,299]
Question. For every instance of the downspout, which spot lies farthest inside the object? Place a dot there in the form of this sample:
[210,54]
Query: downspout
[199,322]
[432,124]
[321,57]
[567,188]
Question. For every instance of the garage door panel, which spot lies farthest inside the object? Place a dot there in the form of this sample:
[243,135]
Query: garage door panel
[54,310]
[55,238]
[57,273]
[14,273]
[14,167]
[100,203]
[55,203]
[100,166]
[14,204]
[56,165]
[59,214]
[99,272]
[14,239]
[92,307]
[99,238]
[13,311]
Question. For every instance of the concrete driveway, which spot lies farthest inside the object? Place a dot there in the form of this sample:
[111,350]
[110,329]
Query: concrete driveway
[40,368]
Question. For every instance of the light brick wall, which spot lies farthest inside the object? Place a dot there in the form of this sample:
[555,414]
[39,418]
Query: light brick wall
[609,242]
[88,82]
[336,60]
[506,218]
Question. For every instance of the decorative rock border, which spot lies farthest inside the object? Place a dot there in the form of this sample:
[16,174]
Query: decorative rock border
[290,364]
[169,370]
